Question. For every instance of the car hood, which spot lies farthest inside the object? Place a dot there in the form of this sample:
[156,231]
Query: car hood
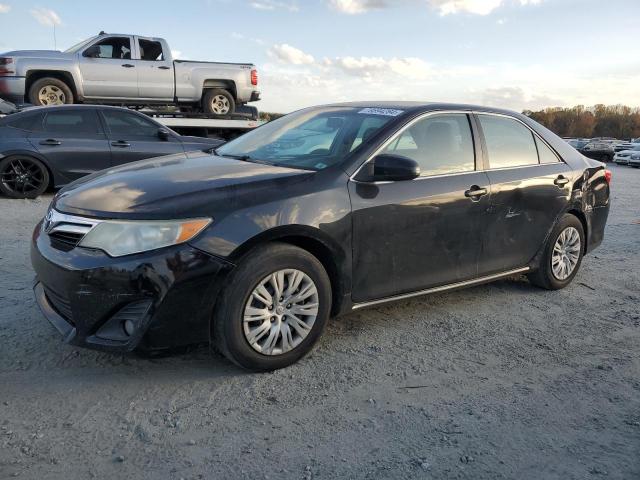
[37,54]
[174,186]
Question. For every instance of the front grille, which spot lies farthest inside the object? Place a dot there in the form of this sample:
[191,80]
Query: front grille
[59,303]
[66,231]
[65,240]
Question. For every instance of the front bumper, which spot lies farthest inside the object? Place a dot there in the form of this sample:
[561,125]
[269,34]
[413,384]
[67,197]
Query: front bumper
[12,89]
[621,160]
[165,297]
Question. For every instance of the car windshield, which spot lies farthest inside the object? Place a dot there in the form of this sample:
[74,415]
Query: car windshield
[313,138]
[78,46]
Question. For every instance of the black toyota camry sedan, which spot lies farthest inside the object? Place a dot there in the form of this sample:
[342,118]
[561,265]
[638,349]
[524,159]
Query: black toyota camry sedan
[44,147]
[321,212]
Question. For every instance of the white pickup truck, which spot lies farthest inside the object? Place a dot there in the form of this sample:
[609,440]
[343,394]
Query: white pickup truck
[125,69]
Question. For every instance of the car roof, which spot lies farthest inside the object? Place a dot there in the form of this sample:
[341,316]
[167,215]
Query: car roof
[424,106]
[63,107]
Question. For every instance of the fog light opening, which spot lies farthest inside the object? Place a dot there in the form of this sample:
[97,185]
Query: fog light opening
[129,327]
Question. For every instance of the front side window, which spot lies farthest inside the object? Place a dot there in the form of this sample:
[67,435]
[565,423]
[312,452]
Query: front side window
[509,143]
[441,144]
[126,125]
[313,138]
[81,122]
[150,51]
[114,47]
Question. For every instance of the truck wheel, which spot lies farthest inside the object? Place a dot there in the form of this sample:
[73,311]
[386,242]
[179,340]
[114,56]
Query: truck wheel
[50,91]
[217,101]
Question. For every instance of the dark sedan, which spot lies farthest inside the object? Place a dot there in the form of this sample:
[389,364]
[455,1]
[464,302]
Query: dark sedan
[324,211]
[52,146]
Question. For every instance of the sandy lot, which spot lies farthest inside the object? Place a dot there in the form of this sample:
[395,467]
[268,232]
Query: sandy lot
[498,381]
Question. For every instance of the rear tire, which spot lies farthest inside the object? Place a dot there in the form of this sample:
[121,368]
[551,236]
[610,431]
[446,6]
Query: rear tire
[237,336]
[23,177]
[217,101]
[554,279]
[50,91]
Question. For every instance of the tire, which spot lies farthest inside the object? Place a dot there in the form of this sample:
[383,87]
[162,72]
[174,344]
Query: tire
[231,328]
[56,90]
[544,276]
[23,177]
[217,101]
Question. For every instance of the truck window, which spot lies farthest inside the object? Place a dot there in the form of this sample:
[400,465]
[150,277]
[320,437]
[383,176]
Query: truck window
[115,47]
[150,51]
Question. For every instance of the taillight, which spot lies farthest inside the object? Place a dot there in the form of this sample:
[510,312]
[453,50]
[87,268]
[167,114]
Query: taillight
[607,176]
[254,77]
[5,69]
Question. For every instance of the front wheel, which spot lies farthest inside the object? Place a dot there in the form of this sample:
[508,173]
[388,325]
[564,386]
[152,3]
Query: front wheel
[217,101]
[23,177]
[562,255]
[274,308]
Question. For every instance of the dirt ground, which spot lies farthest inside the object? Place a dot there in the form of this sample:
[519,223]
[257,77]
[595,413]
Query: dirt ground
[497,381]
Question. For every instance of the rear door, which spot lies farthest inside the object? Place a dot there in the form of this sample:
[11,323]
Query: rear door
[422,233]
[155,70]
[132,136]
[72,140]
[112,73]
[529,188]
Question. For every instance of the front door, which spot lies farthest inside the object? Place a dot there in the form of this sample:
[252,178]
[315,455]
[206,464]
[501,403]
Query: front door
[108,70]
[155,72]
[421,233]
[72,140]
[133,137]
[529,189]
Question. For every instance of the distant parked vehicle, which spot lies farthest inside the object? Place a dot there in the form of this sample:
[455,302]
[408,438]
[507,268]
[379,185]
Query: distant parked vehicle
[623,157]
[50,147]
[634,160]
[624,146]
[577,143]
[125,69]
[598,150]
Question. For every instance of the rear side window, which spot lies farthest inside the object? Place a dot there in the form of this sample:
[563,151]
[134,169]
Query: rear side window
[545,153]
[509,143]
[127,125]
[150,51]
[81,122]
[440,144]
[24,122]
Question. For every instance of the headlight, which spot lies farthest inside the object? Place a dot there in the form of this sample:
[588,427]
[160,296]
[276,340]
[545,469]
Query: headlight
[119,238]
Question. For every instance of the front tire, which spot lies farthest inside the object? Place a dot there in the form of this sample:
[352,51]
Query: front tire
[50,91]
[562,255]
[217,101]
[23,177]
[274,308]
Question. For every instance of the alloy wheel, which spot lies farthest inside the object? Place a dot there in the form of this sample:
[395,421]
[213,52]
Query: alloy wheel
[51,95]
[22,176]
[280,312]
[566,253]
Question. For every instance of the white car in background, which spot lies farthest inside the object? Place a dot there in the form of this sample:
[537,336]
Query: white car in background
[623,157]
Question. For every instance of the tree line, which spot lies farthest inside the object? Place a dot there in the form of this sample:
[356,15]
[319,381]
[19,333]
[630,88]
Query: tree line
[617,121]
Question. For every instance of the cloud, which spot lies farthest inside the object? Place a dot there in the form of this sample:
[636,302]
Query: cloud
[176,54]
[516,97]
[274,5]
[409,67]
[46,17]
[4,8]
[287,54]
[353,7]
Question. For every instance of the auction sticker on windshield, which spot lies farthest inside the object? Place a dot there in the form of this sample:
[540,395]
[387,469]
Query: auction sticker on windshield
[389,112]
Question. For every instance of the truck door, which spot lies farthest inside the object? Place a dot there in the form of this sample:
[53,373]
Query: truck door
[155,70]
[108,70]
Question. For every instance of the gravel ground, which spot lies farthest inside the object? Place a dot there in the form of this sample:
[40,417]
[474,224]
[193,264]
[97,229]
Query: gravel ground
[497,381]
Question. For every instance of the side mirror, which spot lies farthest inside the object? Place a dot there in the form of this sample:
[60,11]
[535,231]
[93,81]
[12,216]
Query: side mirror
[163,134]
[92,52]
[389,167]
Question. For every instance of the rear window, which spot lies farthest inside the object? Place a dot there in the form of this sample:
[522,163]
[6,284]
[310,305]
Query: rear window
[509,143]
[22,122]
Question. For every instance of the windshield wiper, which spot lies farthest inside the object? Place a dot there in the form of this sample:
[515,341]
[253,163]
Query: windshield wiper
[244,158]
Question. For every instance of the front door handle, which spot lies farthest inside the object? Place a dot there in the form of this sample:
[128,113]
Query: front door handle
[561,181]
[475,192]
[50,141]
[128,65]
[164,68]
[121,143]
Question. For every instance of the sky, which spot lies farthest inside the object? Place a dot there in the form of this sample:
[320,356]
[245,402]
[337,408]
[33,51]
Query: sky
[517,54]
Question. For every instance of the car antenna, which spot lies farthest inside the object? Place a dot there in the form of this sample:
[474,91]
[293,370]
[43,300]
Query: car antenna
[102,32]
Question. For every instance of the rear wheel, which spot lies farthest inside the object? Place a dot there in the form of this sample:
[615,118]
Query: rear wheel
[562,255]
[274,308]
[23,177]
[217,101]
[50,91]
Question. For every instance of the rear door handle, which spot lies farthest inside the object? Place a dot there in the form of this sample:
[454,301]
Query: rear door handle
[164,68]
[561,181]
[50,141]
[128,65]
[475,192]
[121,143]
